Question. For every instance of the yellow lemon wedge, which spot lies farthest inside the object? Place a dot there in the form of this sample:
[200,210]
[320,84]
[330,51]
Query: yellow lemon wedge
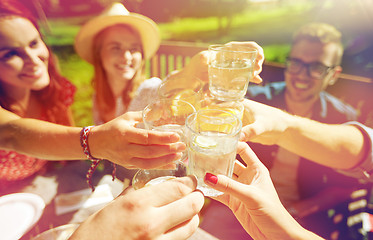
[210,126]
[204,142]
[233,111]
[223,128]
[186,95]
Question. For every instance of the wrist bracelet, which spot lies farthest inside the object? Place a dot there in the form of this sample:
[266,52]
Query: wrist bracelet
[84,143]
[84,133]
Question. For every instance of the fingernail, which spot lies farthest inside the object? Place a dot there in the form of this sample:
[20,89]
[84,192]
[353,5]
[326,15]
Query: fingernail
[179,155]
[175,137]
[211,178]
[181,147]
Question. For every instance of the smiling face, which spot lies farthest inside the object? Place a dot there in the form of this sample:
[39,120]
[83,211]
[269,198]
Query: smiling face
[121,54]
[301,87]
[23,56]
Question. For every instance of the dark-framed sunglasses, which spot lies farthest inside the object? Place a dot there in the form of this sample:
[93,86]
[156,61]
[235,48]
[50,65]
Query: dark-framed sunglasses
[314,69]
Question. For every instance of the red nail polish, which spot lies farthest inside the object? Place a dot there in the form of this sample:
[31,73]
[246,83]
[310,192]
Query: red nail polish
[211,178]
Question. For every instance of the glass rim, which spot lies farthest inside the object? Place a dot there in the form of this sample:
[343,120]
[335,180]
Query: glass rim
[160,100]
[189,118]
[218,102]
[245,49]
[163,83]
[54,231]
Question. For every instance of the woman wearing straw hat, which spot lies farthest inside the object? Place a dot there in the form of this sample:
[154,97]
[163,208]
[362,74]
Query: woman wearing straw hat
[117,43]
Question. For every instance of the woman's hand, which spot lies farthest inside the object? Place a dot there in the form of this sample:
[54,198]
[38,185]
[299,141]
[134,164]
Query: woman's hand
[254,201]
[119,141]
[168,210]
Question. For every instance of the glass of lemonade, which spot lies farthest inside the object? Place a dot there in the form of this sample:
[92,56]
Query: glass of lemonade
[166,115]
[235,107]
[189,89]
[230,70]
[212,137]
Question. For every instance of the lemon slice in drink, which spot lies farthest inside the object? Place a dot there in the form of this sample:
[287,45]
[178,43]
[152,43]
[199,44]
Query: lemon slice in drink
[234,111]
[204,142]
[186,95]
[214,127]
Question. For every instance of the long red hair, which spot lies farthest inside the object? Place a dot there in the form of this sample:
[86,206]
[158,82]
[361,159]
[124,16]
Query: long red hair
[104,97]
[51,97]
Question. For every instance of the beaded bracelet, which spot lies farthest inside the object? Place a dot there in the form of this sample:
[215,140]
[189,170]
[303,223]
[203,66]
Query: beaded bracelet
[84,133]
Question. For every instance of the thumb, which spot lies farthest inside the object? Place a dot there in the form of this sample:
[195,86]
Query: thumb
[256,79]
[228,186]
[251,131]
[134,116]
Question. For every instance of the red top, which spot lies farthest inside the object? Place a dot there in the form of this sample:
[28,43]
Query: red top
[16,166]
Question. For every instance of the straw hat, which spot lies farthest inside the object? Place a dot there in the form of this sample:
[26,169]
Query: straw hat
[117,14]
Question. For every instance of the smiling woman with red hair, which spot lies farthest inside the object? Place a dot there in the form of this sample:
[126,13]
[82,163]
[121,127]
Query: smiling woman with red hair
[117,43]
[30,85]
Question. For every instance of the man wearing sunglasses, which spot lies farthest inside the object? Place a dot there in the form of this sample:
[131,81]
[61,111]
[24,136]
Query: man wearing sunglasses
[307,189]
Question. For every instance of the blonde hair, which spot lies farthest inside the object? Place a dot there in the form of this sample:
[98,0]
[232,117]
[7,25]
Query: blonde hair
[323,33]
[104,97]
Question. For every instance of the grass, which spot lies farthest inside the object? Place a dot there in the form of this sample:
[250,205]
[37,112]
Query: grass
[80,74]
[82,107]
[271,28]
[263,26]
[266,26]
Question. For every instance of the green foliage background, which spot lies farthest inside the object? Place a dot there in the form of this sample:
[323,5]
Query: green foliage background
[271,28]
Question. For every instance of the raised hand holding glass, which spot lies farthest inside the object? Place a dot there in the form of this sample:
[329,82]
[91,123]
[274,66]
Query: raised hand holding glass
[167,115]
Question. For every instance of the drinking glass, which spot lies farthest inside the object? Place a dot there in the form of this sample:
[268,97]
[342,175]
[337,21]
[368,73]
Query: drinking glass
[166,115]
[58,233]
[235,107]
[189,89]
[230,70]
[212,137]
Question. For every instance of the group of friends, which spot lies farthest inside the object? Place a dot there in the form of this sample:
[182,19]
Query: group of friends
[304,142]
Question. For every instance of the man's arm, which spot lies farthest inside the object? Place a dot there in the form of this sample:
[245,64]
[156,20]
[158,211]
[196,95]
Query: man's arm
[340,146]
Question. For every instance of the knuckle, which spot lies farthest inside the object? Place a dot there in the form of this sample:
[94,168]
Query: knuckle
[252,133]
[145,137]
[131,206]
[227,185]
[146,231]
[180,188]
[195,206]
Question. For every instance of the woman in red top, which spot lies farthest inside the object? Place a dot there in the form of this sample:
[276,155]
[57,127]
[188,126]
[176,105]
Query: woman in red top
[34,111]
[30,85]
